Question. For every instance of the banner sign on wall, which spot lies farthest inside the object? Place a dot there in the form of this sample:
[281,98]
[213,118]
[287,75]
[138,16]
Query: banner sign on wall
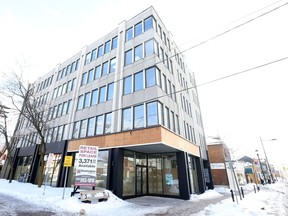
[86,166]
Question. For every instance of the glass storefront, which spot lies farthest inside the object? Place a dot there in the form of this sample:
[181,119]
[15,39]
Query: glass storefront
[23,169]
[193,175]
[150,174]
[101,172]
[52,172]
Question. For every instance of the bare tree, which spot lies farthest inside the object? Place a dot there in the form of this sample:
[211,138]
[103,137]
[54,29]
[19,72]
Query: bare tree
[8,143]
[23,98]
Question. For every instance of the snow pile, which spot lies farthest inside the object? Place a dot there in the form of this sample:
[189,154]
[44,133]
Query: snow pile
[272,199]
[209,194]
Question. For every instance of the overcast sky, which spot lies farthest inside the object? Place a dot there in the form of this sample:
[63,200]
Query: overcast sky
[239,109]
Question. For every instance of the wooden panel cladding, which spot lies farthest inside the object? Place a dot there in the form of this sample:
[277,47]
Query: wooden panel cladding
[134,137]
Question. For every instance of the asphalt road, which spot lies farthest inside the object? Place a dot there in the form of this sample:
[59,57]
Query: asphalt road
[10,206]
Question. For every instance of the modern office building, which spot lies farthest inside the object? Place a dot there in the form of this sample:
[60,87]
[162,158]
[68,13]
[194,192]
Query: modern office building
[131,94]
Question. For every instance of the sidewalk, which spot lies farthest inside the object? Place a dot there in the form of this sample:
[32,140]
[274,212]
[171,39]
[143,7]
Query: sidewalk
[176,207]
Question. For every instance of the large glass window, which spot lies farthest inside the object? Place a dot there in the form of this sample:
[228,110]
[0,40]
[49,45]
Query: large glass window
[97,72]
[152,113]
[102,93]
[64,109]
[110,91]
[99,125]
[91,126]
[127,88]
[149,23]
[69,109]
[193,175]
[76,130]
[100,50]
[88,58]
[105,68]
[83,128]
[94,98]
[94,54]
[114,42]
[107,47]
[108,123]
[90,75]
[138,29]
[129,34]
[112,66]
[138,81]
[80,102]
[126,119]
[84,79]
[139,116]
[138,52]
[87,100]
[155,174]
[128,57]
[129,174]
[150,77]
[149,47]
[170,173]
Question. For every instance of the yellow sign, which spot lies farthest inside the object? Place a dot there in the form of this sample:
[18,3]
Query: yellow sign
[68,161]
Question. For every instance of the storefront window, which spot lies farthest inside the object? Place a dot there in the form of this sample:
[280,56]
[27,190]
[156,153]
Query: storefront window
[23,168]
[129,174]
[101,172]
[170,172]
[155,174]
[51,172]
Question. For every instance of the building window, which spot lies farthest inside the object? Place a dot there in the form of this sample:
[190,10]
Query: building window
[114,42]
[87,100]
[64,109]
[80,102]
[59,110]
[152,113]
[107,47]
[87,58]
[94,98]
[76,129]
[149,23]
[127,88]
[128,57]
[110,91]
[150,77]
[91,127]
[164,83]
[149,47]
[105,68]
[100,51]
[83,128]
[138,81]
[138,116]
[138,29]
[167,114]
[126,119]
[112,66]
[94,54]
[90,75]
[84,79]
[129,34]
[69,109]
[108,123]
[99,125]
[177,124]
[138,52]
[102,93]
[97,72]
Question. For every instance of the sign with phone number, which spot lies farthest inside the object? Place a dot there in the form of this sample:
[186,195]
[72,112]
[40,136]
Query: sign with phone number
[86,166]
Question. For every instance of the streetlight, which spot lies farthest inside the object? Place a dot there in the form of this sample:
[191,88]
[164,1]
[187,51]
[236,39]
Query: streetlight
[260,166]
[270,176]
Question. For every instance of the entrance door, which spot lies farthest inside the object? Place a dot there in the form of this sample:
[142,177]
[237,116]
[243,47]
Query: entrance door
[141,180]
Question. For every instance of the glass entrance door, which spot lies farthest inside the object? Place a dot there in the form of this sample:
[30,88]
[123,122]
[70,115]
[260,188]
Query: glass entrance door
[141,180]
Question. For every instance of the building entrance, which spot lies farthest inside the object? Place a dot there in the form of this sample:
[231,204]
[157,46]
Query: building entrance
[141,180]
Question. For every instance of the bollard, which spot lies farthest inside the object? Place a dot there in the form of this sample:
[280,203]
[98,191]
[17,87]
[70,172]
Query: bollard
[242,192]
[254,188]
[232,195]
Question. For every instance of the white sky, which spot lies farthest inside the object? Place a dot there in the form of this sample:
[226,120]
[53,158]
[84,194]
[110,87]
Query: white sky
[239,109]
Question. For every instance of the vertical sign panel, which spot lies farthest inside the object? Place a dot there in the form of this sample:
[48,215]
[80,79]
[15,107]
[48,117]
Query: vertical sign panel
[87,165]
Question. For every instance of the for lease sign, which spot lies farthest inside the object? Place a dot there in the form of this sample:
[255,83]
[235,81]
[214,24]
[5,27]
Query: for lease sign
[86,166]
